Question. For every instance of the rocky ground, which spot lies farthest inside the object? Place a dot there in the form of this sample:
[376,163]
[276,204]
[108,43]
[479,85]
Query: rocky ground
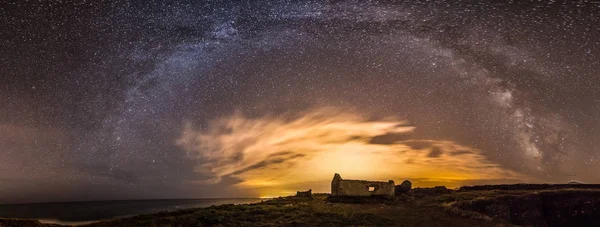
[553,207]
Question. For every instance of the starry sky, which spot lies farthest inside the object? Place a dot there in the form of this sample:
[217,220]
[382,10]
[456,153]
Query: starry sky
[191,99]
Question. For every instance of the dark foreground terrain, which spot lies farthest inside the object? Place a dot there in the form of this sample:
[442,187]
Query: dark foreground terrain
[494,207]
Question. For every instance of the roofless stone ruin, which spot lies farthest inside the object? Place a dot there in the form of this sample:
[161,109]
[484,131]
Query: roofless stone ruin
[341,187]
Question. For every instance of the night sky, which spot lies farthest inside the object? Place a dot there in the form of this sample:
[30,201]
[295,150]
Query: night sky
[192,99]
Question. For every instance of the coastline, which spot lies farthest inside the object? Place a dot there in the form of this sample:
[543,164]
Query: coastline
[419,207]
[81,213]
[73,223]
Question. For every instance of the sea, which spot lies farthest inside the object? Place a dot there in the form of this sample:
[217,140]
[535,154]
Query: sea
[80,213]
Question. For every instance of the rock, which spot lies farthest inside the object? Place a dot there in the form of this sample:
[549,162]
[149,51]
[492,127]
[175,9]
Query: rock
[404,187]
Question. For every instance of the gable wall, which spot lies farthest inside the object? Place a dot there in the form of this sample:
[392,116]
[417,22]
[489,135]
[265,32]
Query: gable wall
[361,188]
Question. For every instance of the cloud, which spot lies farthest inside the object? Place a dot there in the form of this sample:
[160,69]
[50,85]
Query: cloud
[389,138]
[435,152]
[418,145]
[274,152]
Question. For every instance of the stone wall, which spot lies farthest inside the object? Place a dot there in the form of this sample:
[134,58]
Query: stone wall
[341,187]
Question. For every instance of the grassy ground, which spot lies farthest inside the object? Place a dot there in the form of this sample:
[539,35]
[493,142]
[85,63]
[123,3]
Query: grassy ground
[303,212]
[474,208]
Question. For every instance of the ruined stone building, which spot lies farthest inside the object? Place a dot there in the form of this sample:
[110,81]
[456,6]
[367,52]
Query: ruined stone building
[341,187]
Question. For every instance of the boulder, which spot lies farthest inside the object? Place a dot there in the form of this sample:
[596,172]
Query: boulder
[403,188]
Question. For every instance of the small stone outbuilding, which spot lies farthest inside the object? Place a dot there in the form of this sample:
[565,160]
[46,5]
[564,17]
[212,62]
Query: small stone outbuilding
[341,187]
[307,194]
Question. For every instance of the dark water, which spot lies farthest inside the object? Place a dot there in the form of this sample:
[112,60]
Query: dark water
[86,212]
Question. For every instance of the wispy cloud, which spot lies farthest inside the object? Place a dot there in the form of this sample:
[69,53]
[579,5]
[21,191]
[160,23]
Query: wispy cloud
[278,151]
